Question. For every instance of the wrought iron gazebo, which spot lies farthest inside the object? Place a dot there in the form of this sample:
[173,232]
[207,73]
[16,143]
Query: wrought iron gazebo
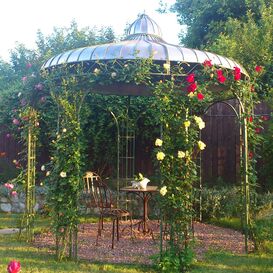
[144,40]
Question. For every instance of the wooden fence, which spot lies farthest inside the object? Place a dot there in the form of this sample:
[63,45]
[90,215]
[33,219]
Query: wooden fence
[220,160]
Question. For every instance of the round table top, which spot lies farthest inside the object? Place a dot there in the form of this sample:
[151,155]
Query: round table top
[148,189]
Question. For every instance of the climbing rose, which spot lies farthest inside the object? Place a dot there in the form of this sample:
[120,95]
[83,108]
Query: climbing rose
[190,78]
[237,73]
[219,72]
[207,63]
[43,99]
[158,142]
[201,145]
[63,174]
[160,156]
[250,119]
[181,154]
[201,124]
[187,123]
[163,190]
[28,65]
[14,267]
[9,186]
[192,87]
[15,121]
[265,118]
[250,155]
[191,95]
[39,86]
[258,68]
[14,193]
[24,79]
[221,78]
[200,96]
[258,130]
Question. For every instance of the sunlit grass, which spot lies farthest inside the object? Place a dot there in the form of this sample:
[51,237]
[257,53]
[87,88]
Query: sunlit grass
[229,263]
[40,260]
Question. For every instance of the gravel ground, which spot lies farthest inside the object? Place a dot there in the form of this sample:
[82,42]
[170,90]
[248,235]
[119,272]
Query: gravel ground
[138,249]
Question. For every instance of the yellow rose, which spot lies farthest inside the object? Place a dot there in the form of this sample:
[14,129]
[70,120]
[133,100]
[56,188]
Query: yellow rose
[187,123]
[201,125]
[191,95]
[181,154]
[158,142]
[160,156]
[163,190]
[199,122]
[201,145]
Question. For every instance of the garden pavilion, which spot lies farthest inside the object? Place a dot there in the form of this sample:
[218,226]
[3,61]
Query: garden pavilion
[144,40]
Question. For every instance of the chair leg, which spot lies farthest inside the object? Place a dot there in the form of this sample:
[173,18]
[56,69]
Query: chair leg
[113,233]
[117,220]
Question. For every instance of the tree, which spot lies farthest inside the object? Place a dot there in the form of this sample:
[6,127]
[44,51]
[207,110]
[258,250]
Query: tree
[206,19]
[251,43]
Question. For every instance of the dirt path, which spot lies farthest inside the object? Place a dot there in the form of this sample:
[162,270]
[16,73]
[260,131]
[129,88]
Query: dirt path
[139,249]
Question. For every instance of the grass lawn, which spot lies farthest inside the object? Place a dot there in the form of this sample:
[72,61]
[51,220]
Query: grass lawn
[39,260]
[229,263]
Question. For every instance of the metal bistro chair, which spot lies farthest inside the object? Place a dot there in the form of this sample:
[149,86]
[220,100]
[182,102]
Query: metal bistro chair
[88,178]
[104,201]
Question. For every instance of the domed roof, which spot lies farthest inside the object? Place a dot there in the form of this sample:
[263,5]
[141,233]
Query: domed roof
[144,40]
[144,25]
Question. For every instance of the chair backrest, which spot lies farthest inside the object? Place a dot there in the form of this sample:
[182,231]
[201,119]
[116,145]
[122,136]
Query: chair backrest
[102,195]
[88,178]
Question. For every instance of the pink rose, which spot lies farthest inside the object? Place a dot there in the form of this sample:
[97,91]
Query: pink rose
[14,267]
[9,186]
[39,86]
[15,121]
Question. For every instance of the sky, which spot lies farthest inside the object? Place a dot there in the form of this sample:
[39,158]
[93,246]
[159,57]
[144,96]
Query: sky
[21,19]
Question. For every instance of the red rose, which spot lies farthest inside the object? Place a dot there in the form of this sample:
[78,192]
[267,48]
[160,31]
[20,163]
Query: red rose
[265,118]
[250,119]
[237,69]
[237,73]
[207,63]
[258,130]
[219,72]
[258,68]
[250,155]
[14,267]
[237,77]
[221,78]
[200,96]
[192,87]
[190,78]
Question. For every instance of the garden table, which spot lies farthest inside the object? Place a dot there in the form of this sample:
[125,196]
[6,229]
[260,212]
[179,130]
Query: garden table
[145,195]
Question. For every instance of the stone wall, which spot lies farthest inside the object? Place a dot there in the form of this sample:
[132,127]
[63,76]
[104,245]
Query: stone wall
[17,203]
